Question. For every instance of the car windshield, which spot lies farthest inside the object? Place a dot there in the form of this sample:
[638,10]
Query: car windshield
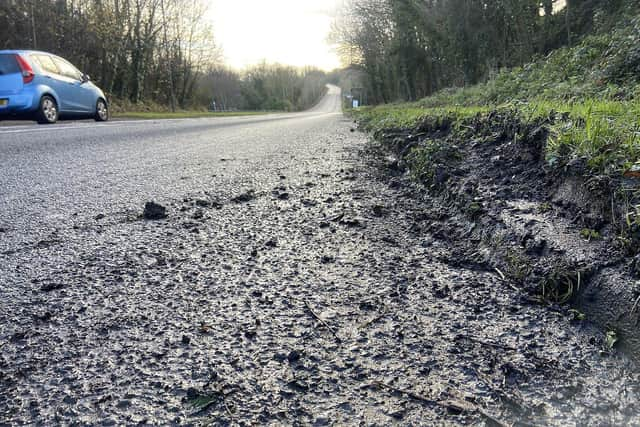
[8,64]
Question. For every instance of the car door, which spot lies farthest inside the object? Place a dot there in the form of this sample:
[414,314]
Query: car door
[76,95]
[53,77]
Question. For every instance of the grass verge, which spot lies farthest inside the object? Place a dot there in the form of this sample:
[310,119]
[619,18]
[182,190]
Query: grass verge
[603,134]
[587,95]
[146,115]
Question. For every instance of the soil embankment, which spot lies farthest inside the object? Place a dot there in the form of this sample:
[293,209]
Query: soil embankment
[562,234]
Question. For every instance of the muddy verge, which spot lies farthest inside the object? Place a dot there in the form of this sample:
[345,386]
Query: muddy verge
[564,235]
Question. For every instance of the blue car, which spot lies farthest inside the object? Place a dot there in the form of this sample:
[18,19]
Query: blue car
[46,87]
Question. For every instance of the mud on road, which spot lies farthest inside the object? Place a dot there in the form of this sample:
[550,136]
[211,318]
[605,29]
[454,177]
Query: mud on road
[321,300]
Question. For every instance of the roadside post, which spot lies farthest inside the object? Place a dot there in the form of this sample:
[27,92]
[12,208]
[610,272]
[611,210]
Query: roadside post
[357,97]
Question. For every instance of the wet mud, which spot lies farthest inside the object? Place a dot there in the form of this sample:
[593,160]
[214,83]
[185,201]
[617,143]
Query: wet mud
[561,234]
[337,293]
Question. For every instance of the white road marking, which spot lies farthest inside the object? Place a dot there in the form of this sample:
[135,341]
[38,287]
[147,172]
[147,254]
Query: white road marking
[43,129]
[54,128]
[62,127]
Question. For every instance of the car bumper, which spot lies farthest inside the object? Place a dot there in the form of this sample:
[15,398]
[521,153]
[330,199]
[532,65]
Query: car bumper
[16,104]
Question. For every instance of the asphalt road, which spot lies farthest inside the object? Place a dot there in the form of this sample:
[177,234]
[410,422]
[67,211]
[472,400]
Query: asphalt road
[291,283]
[84,168]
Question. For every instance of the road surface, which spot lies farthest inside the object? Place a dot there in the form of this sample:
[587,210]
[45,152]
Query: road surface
[292,282]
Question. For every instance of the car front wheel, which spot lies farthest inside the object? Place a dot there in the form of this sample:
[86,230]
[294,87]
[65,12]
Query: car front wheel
[102,111]
[48,110]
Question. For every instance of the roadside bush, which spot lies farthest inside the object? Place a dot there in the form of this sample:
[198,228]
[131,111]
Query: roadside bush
[606,66]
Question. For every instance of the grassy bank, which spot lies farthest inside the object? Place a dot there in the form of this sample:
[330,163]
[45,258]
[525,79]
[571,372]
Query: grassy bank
[602,66]
[604,134]
[579,106]
[599,141]
[587,96]
[124,109]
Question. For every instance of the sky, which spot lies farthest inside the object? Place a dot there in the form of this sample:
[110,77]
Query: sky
[291,32]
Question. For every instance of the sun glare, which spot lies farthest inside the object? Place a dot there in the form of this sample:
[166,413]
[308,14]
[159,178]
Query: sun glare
[292,32]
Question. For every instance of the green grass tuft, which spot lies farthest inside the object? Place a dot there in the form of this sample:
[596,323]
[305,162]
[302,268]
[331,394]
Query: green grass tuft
[589,234]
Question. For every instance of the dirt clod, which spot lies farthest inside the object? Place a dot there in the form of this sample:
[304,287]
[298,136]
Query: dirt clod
[49,287]
[293,356]
[154,211]
[244,197]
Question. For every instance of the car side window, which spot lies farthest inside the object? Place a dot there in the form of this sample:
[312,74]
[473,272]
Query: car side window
[66,69]
[46,63]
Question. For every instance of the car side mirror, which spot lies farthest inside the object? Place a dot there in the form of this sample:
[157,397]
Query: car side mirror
[86,78]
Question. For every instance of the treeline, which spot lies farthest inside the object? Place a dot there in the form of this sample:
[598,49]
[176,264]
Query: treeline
[270,87]
[158,53]
[134,49]
[409,49]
